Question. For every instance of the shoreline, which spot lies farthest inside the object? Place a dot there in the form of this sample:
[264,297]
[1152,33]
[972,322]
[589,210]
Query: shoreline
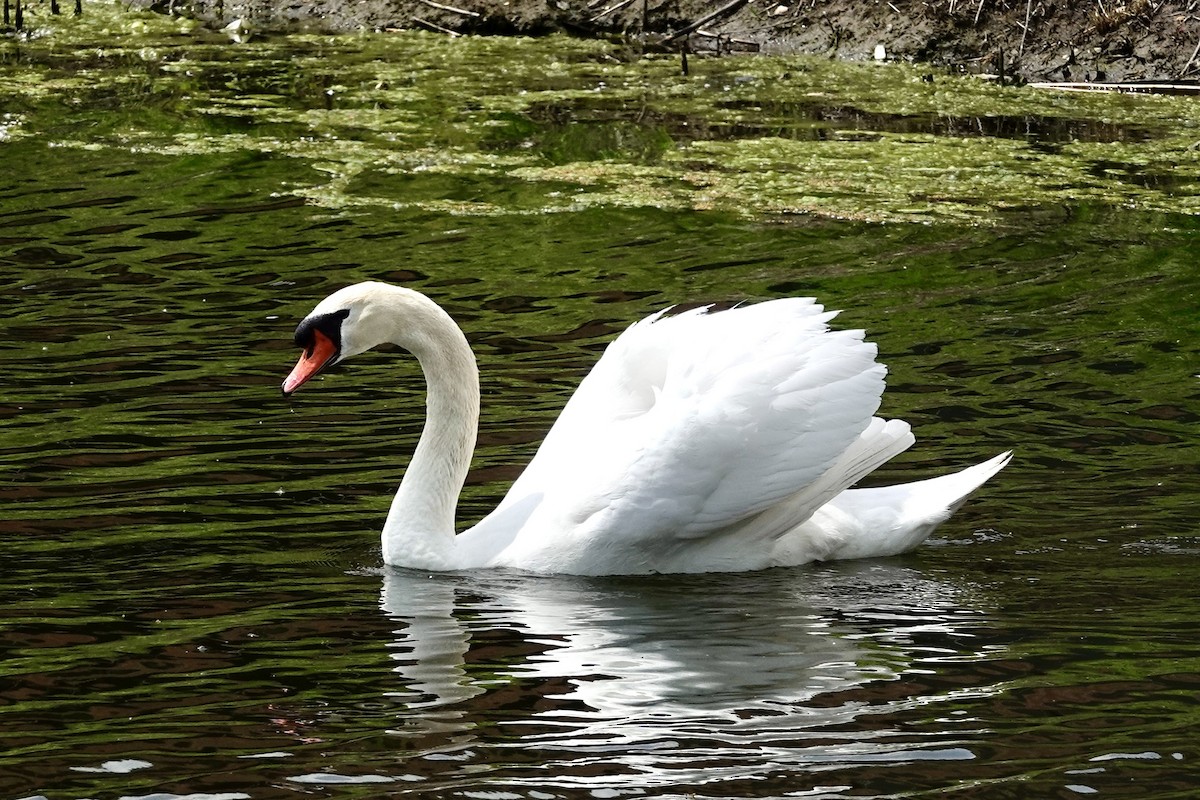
[1024,42]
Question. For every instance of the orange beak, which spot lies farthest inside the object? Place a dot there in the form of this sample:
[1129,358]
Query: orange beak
[311,362]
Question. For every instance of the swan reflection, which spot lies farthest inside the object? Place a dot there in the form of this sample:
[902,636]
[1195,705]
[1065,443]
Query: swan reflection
[796,646]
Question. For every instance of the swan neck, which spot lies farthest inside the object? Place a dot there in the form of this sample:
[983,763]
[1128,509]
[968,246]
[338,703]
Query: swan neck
[419,531]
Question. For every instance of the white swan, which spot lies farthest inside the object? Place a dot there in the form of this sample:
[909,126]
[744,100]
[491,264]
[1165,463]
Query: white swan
[700,442]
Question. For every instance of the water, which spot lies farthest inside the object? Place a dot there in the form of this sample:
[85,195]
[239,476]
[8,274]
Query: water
[193,602]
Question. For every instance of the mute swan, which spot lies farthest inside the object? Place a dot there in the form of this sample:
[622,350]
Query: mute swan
[700,442]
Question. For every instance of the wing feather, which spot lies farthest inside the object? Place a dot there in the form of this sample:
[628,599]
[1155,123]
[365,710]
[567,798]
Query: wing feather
[691,423]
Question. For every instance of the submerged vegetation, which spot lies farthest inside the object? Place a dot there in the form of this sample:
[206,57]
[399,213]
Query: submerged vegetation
[535,126]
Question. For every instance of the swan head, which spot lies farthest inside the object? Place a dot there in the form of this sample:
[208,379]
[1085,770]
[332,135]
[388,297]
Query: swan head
[348,322]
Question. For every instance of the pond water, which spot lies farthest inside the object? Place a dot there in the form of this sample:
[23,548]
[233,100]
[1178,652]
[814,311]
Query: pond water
[193,604]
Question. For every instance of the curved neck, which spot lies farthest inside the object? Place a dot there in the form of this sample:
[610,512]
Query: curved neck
[419,531]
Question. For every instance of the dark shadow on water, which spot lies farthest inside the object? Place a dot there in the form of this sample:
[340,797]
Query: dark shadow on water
[595,129]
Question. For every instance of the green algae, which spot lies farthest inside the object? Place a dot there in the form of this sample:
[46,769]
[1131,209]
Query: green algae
[547,125]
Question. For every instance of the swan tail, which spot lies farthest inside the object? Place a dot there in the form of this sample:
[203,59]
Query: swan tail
[886,521]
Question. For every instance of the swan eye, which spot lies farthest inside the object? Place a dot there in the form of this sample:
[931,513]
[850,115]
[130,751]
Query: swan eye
[328,324]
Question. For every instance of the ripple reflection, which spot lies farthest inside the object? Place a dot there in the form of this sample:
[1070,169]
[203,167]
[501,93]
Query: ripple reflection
[645,679]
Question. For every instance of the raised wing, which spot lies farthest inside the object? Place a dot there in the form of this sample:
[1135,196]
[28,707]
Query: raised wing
[690,424]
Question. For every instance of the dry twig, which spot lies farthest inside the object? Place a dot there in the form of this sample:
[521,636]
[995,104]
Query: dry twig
[728,8]
[611,9]
[451,9]
[1127,88]
[1183,73]
[433,26]
[1025,27]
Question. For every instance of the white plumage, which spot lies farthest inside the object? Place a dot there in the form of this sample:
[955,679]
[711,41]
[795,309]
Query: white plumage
[700,442]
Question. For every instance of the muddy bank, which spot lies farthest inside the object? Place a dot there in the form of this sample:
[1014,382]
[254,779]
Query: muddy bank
[1105,40]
